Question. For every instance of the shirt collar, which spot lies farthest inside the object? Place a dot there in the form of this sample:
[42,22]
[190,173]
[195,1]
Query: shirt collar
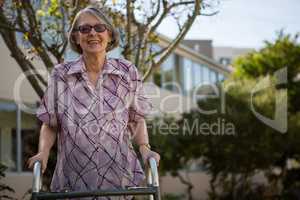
[75,67]
[78,66]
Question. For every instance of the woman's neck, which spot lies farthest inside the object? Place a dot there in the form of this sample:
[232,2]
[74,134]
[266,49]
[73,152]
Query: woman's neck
[94,62]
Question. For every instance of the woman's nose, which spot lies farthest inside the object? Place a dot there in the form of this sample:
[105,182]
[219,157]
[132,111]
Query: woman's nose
[93,32]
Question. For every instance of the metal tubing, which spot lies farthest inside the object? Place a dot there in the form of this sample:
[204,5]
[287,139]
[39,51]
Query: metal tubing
[154,172]
[152,189]
[118,192]
[152,177]
[156,195]
[33,196]
[37,179]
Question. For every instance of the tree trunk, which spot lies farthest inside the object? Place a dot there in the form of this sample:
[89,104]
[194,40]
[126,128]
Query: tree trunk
[189,185]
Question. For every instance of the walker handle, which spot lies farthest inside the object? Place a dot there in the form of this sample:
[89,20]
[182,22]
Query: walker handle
[152,174]
[37,177]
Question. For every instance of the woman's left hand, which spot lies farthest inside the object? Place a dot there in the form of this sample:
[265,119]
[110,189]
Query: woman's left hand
[148,153]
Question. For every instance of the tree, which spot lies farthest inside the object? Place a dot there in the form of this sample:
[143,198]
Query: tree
[284,52]
[42,26]
[176,149]
[234,159]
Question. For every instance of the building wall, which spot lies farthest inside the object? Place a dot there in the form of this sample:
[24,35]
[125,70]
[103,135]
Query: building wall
[200,181]
[11,77]
[226,55]
[203,47]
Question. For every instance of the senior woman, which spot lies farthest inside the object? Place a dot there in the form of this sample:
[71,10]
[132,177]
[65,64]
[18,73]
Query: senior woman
[94,105]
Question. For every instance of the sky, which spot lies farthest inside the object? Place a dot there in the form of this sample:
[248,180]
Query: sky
[244,23]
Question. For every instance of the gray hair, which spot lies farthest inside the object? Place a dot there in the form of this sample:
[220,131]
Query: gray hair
[102,17]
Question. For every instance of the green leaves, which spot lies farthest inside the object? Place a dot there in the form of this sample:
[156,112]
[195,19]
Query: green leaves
[283,52]
[40,13]
[255,148]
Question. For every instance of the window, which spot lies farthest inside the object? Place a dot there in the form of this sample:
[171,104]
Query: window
[168,73]
[8,152]
[186,75]
[206,78]
[213,76]
[197,47]
[221,77]
[29,146]
[225,61]
[197,75]
[16,150]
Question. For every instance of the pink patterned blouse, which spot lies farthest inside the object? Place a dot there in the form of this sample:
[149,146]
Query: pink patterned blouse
[94,141]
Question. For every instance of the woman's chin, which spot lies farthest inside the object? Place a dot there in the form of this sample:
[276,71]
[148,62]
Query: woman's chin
[95,50]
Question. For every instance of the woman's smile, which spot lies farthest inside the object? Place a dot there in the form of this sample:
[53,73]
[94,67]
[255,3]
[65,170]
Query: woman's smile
[94,43]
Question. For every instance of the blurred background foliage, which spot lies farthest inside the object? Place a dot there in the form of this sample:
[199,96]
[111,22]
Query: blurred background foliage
[255,149]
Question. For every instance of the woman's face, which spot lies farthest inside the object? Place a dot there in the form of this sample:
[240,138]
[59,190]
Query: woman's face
[91,41]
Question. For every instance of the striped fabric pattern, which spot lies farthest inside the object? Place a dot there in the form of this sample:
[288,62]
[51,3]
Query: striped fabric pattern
[94,139]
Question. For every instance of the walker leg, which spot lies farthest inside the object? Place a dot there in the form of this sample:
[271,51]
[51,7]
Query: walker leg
[156,196]
[33,196]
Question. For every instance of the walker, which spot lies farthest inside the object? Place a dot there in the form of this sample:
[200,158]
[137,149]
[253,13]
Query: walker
[152,188]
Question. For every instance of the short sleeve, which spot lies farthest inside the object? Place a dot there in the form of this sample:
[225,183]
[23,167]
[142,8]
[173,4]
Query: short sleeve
[140,105]
[46,111]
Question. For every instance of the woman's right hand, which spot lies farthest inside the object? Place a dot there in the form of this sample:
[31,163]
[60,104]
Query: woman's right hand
[42,157]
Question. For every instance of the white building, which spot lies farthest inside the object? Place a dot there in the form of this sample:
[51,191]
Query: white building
[226,55]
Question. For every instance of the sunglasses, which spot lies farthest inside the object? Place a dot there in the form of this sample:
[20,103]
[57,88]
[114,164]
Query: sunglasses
[99,28]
